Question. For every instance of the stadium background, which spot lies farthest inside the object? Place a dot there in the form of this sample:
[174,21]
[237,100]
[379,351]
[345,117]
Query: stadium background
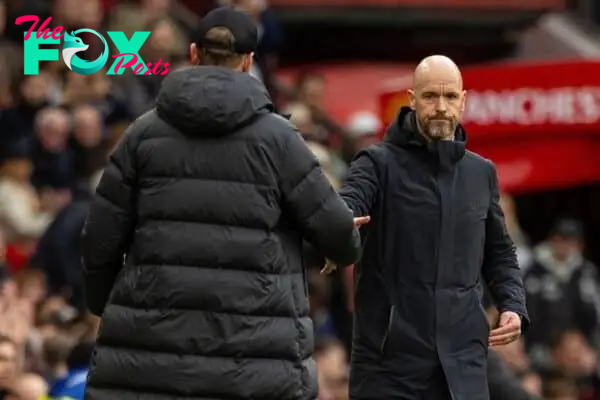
[340,68]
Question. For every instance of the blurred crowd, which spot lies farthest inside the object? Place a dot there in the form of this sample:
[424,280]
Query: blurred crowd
[56,131]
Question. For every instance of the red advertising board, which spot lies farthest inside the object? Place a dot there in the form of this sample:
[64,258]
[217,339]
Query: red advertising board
[540,123]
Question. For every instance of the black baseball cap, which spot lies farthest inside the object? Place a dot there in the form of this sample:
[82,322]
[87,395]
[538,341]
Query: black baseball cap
[241,25]
[568,228]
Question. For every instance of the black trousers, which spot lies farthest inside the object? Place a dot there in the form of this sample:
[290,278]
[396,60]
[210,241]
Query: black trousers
[436,389]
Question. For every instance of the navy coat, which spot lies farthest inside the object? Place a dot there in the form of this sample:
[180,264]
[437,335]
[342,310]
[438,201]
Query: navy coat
[436,228]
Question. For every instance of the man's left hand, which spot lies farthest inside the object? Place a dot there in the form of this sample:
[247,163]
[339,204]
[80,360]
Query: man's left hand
[508,330]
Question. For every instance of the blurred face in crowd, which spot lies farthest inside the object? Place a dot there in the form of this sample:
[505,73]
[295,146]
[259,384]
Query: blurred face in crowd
[35,89]
[532,384]
[67,11]
[87,126]
[574,356]
[332,367]
[29,387]
[90,13]
[560,389]
[85,88]
[77,82]
[565,247]
[162,40]
[311,90]
[52,129]
[155,8]
[32,285]
[17,169]
[437,97]
[301,117]
[8,362]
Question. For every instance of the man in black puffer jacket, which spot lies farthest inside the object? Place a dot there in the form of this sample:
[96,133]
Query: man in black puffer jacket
[193,242]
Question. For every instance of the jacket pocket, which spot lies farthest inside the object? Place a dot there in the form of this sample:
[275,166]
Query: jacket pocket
[388,330]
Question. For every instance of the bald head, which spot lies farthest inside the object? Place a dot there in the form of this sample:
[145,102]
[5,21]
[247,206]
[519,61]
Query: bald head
[437,97]
[437,68]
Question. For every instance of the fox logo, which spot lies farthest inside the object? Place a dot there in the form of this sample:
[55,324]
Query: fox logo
[72,45]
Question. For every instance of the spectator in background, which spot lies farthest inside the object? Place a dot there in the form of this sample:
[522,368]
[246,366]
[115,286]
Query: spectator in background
[326,161]
[573,356]
[364,128]
[270,40]
[89,141]
[56,350]
[132,16]
[516,357]
[505,385]
[310,90]
[8,364]
[53,159]
[18,123]
[59,251]
[22,216]
[302,117]
[532,383]
[84,89]
[72,383]
[163,44]
[167,41]
[562,290]
[316,136]
[332,368]
[558,386]
[28,387]
[310,86]
[11,63]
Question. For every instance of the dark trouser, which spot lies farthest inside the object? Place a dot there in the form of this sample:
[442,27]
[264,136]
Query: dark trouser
[436,389]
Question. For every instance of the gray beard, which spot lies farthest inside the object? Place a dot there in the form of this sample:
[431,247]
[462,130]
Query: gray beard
[439,132]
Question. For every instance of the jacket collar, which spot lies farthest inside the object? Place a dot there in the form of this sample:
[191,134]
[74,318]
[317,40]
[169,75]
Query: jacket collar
[403,132]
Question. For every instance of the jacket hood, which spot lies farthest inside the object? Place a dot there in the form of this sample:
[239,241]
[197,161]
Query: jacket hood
[211,101]
[403,132]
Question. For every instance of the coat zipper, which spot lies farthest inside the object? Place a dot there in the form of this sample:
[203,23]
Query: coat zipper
[388,330]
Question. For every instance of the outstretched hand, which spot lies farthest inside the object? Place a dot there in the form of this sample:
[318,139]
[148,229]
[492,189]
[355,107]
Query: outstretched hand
[329,265]
[360,221]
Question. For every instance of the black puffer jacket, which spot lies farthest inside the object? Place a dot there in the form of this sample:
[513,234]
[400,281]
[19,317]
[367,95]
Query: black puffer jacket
[209,197]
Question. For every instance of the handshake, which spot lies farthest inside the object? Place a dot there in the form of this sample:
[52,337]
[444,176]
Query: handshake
[329,265]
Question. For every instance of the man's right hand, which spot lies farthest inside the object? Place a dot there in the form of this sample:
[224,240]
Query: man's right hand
[360,221]
[329,265]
